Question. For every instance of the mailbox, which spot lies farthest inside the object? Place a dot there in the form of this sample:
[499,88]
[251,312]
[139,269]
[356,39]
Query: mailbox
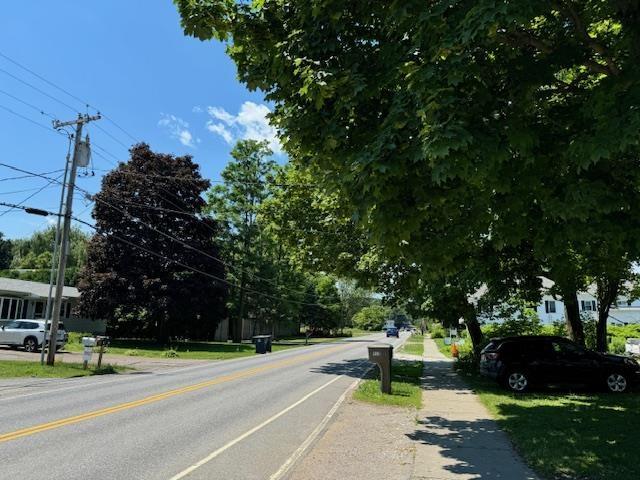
[381,354]
[88,341]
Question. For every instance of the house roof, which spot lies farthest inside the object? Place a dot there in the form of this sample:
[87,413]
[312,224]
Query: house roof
[35,289]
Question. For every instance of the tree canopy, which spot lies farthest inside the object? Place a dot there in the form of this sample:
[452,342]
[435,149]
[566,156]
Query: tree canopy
[152,267]
[456,129]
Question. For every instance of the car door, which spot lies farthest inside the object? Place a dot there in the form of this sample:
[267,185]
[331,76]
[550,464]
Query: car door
[574,363]
[10,334]
[541,360]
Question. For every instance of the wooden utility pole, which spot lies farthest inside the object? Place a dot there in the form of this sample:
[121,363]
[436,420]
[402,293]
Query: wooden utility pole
[80,152]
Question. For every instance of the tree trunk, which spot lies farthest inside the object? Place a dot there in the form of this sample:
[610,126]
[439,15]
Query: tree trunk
[572,316]
[475,333]
[607,294]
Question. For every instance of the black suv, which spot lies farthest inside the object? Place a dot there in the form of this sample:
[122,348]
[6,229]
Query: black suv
[520,362]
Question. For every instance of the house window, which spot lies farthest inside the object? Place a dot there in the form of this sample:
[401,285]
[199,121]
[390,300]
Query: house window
[68,312]
[39,310]
[588,305]
[4,308]
[550,306]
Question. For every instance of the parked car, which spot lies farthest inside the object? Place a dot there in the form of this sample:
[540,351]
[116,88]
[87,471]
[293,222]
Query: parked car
[393,332]
[522,362]
[29,334]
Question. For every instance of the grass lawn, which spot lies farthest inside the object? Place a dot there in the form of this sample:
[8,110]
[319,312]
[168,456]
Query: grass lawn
[198,350]
[405,386]
[414,345]
[14,369]
[569,436]
[444,349]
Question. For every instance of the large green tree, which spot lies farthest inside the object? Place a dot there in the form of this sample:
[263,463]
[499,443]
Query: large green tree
[448,124]
[152,268]
[6,254]
[267,289]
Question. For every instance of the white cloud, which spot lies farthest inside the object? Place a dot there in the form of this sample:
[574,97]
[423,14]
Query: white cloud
[221,130]
[178,129]
[250,123]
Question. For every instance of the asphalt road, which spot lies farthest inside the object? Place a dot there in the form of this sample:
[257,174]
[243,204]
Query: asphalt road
[238,419]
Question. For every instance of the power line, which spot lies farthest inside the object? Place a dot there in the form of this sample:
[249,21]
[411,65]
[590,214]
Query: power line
[66,92]
[20,177]
[168,236]
[48,129]
[15,192]
[42,92]
[186,178]
[30,105]
[30,196]
[164,257]
[43,79]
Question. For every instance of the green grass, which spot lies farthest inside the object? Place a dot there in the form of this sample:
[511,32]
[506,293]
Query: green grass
[405,386]
[15,369]
[198,350]
[414,345]
[187,350]
[571,436]
[444,349]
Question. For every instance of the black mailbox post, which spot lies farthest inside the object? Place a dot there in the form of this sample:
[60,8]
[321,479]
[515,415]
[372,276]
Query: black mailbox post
[263,343]
[381,354]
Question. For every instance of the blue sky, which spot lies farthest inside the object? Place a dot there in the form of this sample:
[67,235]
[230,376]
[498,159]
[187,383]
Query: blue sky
[131,60]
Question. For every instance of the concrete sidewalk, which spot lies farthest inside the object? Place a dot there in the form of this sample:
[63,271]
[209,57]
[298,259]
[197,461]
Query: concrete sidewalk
[451,437]
[456,438]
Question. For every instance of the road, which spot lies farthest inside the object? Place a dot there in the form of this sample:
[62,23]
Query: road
[237,419]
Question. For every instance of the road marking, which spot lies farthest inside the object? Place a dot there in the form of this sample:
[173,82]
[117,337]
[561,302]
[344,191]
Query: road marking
[83,381]
[312,436]
[158,397]
[217,452]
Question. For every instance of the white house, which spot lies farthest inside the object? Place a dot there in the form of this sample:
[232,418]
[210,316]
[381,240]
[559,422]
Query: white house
[551,309]
[26,299]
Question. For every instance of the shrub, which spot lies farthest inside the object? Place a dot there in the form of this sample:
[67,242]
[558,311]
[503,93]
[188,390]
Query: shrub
[617,345]
[436,330]
[170,354]
[132,352]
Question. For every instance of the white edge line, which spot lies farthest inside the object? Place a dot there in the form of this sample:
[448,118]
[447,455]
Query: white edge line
[312,436]
[300,451]
[217,452]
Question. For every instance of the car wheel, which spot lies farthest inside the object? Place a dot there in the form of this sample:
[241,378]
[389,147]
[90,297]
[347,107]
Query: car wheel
[517,381]
[31,344]
[617,382]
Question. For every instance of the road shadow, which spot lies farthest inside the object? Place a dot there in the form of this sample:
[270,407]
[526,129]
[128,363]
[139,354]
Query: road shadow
[349,368]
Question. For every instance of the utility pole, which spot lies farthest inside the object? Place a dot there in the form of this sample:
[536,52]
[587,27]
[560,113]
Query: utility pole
[81,149]
[54,258]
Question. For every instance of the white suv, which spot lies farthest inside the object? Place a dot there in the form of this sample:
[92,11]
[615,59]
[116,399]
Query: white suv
[28,334]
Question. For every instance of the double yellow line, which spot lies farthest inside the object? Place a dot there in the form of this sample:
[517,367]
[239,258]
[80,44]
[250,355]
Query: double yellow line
[160,396]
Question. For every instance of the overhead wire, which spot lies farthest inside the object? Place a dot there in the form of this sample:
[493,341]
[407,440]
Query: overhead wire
[30,196]
[30,105]
[93,197]
[69,94]
[177,262]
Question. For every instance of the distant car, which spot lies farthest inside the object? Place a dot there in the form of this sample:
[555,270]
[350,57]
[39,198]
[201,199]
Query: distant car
[522,362]
[393,332]
[29,334]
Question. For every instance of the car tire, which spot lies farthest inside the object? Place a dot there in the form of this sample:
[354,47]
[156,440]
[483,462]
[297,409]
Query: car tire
[616,382]
[31,344]
[517,381]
